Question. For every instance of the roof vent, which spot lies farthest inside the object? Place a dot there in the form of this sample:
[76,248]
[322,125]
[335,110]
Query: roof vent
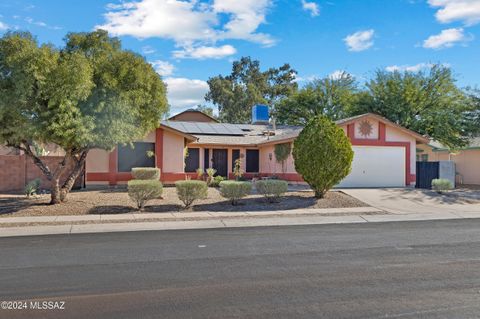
[260,114]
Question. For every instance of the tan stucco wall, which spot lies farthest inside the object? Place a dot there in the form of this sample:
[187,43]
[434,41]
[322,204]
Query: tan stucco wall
[272,166]
[97,161]
[173,145]
[393,134]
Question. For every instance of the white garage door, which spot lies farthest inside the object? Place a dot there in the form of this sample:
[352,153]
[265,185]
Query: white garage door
[376,166]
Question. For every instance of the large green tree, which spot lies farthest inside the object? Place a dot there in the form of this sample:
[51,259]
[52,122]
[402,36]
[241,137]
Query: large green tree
[331,96]
[428,102]
[235,94]
[89,94]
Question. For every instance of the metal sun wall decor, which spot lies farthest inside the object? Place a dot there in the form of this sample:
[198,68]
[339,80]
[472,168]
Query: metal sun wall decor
[366,128]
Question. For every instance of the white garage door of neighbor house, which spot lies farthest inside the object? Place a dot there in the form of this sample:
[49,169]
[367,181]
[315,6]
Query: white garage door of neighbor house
[376,166]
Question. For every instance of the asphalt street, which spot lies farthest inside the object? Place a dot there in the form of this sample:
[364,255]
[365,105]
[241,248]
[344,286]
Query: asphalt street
[428,269]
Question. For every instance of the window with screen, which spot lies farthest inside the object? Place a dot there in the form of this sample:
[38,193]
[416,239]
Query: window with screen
[252,161]
[192,161]
[141,155]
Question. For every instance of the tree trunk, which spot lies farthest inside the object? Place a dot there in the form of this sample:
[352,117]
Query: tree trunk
[70,181]
[55,197]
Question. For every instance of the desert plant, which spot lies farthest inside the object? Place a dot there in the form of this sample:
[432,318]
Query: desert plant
[237,169]
[441,184]
[146,173]
[217,180]
[141,191]
[282,151]
[235,190]
[210,173]
[200,173]
[32,187]
[323,154]
[272,189]
[189,191]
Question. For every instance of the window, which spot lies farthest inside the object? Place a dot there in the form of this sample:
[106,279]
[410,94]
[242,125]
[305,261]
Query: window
[138,156]
[424,157]
[252,161]
[193,160]
[235,156]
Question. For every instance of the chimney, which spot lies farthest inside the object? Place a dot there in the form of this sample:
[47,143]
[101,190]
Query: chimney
[260,114]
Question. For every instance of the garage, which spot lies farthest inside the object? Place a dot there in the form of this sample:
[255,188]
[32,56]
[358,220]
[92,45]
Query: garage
[376,166]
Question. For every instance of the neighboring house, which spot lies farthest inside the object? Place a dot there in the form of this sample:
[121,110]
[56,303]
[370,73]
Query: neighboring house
[384,152]
[467,160]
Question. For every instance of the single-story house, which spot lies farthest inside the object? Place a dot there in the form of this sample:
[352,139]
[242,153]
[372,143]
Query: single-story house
[467,160]
[385,152]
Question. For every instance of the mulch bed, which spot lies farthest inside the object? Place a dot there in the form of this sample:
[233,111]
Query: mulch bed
[116,201]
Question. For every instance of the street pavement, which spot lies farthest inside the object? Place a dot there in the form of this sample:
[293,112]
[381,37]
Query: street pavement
[421,269]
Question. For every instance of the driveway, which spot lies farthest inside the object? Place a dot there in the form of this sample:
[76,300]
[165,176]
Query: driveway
[411,200]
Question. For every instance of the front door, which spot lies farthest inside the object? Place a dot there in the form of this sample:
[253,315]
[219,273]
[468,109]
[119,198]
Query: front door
[220,161]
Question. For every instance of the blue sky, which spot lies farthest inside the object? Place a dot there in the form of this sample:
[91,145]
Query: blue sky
[190,41]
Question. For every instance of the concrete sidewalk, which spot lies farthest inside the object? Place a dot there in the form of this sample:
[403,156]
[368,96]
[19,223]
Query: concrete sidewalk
[227,220]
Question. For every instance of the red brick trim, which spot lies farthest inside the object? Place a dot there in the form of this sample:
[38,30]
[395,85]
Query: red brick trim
[113,166]
[159,148]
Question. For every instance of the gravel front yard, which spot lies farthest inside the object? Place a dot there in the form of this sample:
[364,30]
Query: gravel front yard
[116,201]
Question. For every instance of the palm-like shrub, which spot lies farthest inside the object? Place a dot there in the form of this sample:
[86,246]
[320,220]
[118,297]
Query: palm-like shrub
[323,154]
[272,189]
[234,190]
[141,191]
[191,190]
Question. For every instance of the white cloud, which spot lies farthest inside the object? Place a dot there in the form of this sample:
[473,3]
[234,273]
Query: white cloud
[446,39]
[312,7]
[360,40]
[412,68]
[41,24]
[467,11]
[190,23]
[3,26]
[147,49]
[163,68]
[408,68]
[338,74]
[204,52]
[184,93]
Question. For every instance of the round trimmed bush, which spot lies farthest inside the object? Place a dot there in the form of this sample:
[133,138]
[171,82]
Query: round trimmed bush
[323,155]
[441,185]
[190,190]
[141,191]
[272,189]
[234,190]
[146,173]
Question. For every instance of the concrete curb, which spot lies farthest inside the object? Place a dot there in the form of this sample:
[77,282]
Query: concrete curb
[224,223]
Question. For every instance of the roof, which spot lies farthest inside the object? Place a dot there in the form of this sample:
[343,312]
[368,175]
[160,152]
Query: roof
[474,143]
[233,134]
[193,111]
[256,134]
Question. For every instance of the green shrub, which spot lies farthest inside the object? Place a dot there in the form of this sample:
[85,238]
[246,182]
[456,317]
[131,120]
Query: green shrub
[32,187]
[189,191]
[235,190]
[141,191]
[441,184]
[323,154]
[217,180]
[282,151]
[272,189]
[237,169]
[146,173]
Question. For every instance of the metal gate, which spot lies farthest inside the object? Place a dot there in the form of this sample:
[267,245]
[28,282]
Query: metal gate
[426,172]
